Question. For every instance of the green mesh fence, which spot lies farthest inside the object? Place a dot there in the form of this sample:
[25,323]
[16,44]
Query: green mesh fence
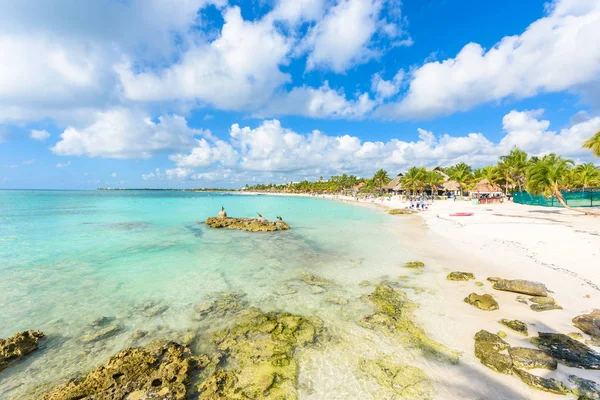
[586,198]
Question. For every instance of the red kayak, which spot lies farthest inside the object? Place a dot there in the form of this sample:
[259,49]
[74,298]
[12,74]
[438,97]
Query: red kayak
[461,214]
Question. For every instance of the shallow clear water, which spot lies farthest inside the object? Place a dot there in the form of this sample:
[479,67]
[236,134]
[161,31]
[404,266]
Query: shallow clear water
[69,258]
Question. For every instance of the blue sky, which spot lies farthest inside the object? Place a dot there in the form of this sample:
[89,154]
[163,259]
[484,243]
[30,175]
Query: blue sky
[218,93]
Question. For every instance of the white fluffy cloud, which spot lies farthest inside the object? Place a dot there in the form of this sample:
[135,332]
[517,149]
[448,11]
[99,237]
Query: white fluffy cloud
[40,135]
[344,37]
[555,53]
[272,151]
[237,71]
[124,133]
[63,165]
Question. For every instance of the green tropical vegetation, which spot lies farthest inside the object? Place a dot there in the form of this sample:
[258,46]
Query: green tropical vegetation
[550,175]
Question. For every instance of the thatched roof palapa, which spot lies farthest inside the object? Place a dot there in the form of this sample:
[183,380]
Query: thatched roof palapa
[485,186]
[451,186]
[394,182]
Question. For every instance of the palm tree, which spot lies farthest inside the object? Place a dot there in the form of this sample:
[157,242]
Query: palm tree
[433,179]
[381,178]
[593,144]
[586,175]
[549,176]
[414,179]
[516,165]
[461,173]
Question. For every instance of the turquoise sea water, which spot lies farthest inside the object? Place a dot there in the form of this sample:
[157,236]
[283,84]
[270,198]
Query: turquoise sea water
[70,258]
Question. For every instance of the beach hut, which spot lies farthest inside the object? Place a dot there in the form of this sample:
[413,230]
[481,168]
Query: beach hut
[451,187]
[356,188]
[487,192]
[394,183]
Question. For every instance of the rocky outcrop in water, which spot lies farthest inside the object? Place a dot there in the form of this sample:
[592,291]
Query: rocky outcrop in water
[489,349]
[228,303]
[519,286]
[394,316]
[398,380]
[516,325]
[537,382]
[590,324]
[17,346]
[525,358]
[259,354]
[568,351]
[315,280]
[247,224]
[460,276]
[161,371]
[484,302]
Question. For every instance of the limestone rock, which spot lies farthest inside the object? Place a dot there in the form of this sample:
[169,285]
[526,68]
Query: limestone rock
[337,300]
[414,264]
[516,326]
[394,316]
[590,324]
[584,388]
[398,380]
[546,384]
[259,356]
[568,351]
[544,303]
[101,334]
[314,280]
[526,358]
[482,301]
[247,224]
[460,276]
[17,346]
[228,303]
[519,286]
[488,348]
[161,372]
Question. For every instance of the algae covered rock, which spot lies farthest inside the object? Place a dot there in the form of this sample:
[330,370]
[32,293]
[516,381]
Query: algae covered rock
[394,316]
[315,280]
[526,358]
[17,346]
[247,224]
[228,303]
[337,300]
[519,286]
[568,351]
[575,335]
[364,283]
[590,324]
[399,211]
[398,380]
[414,264]
[516,326]
[101,334]
[161,371]
[488,348]
[584,388]
[544,303]
[484,302]
[537,382]
[460,276]
[258,356]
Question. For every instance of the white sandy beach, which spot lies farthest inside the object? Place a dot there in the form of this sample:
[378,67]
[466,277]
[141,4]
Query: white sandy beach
[557,247]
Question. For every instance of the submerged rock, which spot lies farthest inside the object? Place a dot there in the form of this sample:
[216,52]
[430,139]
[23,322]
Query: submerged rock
[488,348]
[460,276]
[101,334]
[519,286]
[526,358]
[337,300]
[414,264]
[568,351]
[544,303]
[516,326]
[317,289]
[259,356]
[228,303]
[394,316]
[590,324]
[584,388]
[484,302]
[546,384]
[247,224]
[314,280]
[364,283]
[17,346]
[161,371]
[398,380]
